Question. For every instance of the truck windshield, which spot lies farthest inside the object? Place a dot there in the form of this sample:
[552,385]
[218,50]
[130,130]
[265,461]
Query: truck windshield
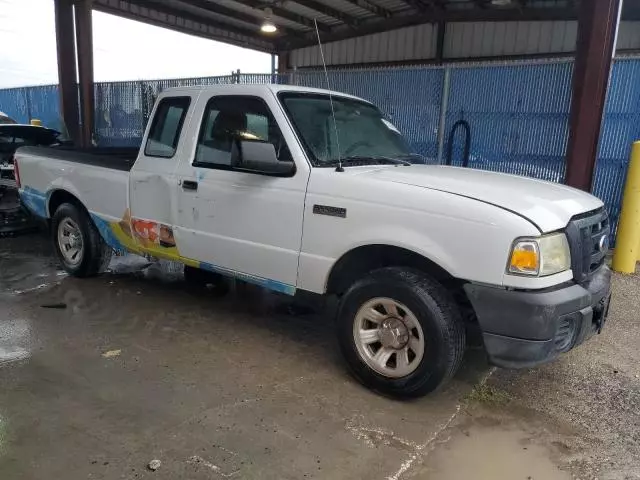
[364,136]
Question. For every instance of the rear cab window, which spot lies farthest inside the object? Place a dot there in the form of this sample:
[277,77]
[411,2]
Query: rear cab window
[166,126]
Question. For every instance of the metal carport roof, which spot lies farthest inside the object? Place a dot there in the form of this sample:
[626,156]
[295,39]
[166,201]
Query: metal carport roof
[238,22]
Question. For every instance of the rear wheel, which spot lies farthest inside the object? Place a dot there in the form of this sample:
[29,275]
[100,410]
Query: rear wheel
[77,242]
[400,332]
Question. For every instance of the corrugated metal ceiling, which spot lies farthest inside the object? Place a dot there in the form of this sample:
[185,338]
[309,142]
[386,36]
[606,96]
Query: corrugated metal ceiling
[337,19]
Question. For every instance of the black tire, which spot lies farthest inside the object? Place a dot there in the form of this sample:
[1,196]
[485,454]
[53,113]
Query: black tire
[200,279]
[439,318]
[96,253]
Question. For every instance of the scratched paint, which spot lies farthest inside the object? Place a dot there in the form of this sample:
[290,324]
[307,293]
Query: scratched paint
[143,236]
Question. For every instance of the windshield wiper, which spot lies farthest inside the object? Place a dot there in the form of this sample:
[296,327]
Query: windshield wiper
[418,158]
[362,160]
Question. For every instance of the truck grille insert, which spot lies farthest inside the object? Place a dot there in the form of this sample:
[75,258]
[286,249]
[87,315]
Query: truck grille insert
[588,236]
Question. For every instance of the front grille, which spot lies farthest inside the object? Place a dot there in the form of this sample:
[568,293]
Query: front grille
[588,236]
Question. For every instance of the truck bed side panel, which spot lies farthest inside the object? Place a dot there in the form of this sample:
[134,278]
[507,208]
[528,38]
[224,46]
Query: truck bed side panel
[103,191]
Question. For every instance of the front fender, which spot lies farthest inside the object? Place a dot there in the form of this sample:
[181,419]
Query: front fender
[467,238]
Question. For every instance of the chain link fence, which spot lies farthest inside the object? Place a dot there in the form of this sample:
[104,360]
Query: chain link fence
[509,117]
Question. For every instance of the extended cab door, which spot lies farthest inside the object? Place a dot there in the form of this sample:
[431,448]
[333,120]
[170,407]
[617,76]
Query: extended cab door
[152,202]
[246,224]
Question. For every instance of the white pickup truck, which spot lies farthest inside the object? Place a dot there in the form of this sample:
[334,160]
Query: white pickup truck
[297,189]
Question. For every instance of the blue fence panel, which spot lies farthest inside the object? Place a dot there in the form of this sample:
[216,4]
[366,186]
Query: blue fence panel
[119,119]
[409,97]
[123,108]
[13,102]
[620,128]
[257,78]
[42,103]
[517,114]
[24,103]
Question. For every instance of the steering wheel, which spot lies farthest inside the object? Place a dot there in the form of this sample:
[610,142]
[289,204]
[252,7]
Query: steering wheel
[352,148]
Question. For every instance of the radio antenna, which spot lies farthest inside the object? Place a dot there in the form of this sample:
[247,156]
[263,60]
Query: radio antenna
[333,113]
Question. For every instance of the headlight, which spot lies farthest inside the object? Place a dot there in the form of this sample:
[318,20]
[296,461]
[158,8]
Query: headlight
[540,256]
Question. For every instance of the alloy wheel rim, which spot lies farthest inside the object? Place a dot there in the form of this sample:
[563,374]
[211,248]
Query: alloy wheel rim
[70,242]
[388,337]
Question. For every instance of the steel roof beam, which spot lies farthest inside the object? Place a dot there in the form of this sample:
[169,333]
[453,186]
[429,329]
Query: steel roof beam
[425,5]
[328,11]
[435,16]
[242,37]
[286,14]
[161,7]
[371,7]
[481,3]
[433,4]
[228,12]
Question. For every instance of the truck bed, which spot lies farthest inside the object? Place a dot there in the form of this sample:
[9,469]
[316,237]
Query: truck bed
[115,158]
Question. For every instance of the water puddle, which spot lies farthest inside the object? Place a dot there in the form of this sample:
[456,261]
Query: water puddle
[490,452]
[12,354]
[14,339]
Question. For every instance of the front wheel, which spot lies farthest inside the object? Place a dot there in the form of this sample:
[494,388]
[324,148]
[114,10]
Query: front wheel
[400,332]
[77,242]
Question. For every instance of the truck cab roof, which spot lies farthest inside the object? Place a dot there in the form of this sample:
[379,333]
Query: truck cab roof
[248,89]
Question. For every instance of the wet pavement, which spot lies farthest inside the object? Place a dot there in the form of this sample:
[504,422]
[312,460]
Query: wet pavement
[137,367]
[100,376]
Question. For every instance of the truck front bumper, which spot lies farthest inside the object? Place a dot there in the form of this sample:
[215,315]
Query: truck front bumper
[526,328]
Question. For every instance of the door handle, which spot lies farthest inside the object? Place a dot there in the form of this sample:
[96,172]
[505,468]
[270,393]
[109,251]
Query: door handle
[189,185]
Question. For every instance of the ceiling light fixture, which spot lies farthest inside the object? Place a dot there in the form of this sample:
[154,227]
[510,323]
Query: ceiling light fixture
[500,3]
[268,26]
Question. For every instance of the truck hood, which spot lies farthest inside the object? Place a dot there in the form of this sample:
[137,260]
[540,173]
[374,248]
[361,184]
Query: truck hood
[548,205]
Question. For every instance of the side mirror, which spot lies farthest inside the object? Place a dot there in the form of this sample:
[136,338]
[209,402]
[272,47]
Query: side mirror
[259,157]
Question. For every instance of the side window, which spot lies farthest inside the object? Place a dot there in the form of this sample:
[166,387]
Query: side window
[230,118]
[166,126]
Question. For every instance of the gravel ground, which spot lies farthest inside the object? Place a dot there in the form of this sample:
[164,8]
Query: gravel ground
[583,409]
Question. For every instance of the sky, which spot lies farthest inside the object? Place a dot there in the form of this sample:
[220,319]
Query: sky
[28,49]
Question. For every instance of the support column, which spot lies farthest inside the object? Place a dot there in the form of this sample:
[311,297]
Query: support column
[274,78]
[442,31]
[84,41]
[283,62]
[67,76]
[597,26]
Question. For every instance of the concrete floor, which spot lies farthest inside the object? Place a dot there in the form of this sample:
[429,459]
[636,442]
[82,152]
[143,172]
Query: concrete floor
[136,368]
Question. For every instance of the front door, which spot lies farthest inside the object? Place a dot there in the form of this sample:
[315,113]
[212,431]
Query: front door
[244,224]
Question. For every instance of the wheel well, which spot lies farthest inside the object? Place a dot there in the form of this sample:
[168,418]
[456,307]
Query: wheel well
[358,262]
[362,260]
[59,197]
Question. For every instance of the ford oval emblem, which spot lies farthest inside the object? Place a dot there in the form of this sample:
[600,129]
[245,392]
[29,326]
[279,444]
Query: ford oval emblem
[603,244]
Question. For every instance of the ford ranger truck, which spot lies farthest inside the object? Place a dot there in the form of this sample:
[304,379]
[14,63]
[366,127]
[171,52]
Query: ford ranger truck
[295,189]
